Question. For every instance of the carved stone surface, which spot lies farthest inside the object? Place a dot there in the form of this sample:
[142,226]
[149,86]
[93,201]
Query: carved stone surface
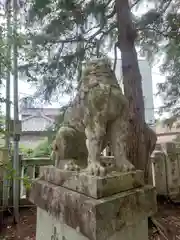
[166,174]
[97,116]
[57,230]
[93,186]
[96,219]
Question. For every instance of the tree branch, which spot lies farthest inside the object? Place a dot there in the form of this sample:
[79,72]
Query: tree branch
[114,9]
[134,4]
[155,30]
[104,33]
[163,10]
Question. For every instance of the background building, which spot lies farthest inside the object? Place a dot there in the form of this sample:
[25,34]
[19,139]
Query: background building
[147,88]
[35,124]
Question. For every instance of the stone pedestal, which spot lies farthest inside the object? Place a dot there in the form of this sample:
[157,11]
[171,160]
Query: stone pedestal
[76,206]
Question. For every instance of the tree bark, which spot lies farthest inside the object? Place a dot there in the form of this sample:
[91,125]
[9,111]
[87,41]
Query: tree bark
[141,140]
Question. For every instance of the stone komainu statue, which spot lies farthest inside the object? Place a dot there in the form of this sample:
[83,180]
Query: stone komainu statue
[97,116]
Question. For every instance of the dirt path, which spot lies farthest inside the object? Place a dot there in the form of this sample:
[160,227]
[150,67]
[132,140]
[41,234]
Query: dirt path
[25,230]
[168,218]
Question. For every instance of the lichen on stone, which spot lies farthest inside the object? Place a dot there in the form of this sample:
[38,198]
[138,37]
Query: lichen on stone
[97,116]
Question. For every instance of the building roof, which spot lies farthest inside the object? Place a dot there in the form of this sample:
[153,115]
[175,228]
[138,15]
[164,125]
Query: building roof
[45,111]
[32,113]
[40,115]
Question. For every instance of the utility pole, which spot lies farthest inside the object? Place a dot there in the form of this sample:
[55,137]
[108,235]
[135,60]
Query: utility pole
[8,70]
[16,162]
[8,73]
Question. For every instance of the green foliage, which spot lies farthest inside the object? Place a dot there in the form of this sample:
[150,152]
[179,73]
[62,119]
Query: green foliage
[42,150]
[2,124]
[3,65]
[163,37]
[25,151]
[4,62]
[74,31]
[170,89]
[11,175]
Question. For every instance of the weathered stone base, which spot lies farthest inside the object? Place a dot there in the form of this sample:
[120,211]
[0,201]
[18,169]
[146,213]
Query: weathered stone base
[48,227]
[84,214]
[93,186]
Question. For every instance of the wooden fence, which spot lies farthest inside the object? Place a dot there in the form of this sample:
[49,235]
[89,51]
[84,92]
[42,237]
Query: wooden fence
[29,169]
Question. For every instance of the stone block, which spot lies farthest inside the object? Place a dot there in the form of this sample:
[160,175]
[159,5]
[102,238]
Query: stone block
[57,230]
[119,216]
[93,186]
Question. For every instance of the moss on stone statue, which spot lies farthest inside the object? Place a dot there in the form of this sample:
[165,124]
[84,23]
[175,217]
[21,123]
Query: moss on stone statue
[98,106]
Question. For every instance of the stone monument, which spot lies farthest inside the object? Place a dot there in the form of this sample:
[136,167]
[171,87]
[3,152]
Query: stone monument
[93,197]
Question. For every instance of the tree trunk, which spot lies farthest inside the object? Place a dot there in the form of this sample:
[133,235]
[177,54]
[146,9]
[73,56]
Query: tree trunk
[141,140]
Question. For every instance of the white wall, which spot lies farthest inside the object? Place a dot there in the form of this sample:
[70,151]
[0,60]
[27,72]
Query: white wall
[32,142]
[35,124]
[145,70]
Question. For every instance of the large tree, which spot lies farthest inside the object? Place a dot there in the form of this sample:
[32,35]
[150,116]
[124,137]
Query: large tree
[68,32]
[141,140]
[65,32]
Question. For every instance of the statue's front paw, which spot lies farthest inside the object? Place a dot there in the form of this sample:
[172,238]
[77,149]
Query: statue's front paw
[96,169]
[131,167]
[128,167]
[71,166]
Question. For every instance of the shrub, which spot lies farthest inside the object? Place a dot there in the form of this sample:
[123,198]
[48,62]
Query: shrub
[42,150]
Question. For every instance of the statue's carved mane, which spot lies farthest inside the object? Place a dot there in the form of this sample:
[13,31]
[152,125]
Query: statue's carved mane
[99,71]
